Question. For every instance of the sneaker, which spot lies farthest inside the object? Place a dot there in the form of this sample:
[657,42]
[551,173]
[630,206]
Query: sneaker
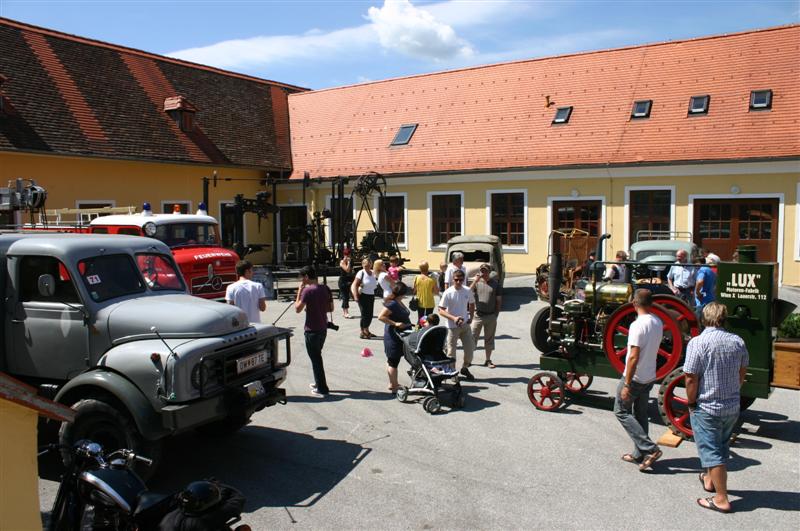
[315,391]
[467,375]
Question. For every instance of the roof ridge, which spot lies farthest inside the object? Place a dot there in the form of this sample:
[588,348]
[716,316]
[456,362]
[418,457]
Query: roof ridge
[551,57]
[135,51]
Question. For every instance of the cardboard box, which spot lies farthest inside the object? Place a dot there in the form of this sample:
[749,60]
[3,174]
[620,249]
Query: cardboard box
[786,365]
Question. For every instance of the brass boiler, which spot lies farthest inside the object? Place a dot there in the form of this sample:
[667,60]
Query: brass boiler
[608,293]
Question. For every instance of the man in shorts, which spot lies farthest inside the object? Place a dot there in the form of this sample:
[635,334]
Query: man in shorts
[716,365]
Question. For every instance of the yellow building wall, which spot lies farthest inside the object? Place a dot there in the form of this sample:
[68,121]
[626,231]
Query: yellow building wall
[69,179]
[19,476]
[612,190]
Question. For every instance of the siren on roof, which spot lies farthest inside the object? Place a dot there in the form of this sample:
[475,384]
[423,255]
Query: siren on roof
[146,210]
[202,210]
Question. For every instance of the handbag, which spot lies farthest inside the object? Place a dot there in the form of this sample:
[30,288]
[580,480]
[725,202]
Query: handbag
[413,304]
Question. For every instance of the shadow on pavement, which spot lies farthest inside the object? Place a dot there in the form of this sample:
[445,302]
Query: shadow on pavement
[272,468]
[689,465]
[514,298]
[752,500]
[772,425]
[337,395]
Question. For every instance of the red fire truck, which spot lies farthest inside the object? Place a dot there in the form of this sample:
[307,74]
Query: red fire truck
[207,267]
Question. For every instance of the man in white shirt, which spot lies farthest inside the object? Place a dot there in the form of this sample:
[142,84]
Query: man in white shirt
[456,265]
[457,305]
[249,296]
[633,391]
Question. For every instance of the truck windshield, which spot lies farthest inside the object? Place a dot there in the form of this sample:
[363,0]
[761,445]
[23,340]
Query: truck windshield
[111,276]
[159,272]
[178,234]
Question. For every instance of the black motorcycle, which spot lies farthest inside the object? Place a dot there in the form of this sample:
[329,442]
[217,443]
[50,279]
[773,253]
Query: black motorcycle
[103,493]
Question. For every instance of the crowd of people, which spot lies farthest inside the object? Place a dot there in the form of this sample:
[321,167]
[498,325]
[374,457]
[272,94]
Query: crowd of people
[715,363]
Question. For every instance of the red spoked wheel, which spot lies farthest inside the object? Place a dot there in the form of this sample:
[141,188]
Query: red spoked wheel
[673,404]
[576,382]
[546,391]
[684,314]
[615,339]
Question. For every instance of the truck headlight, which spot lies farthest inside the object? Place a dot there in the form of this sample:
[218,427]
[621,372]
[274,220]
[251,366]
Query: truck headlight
[149,229]
[199,376]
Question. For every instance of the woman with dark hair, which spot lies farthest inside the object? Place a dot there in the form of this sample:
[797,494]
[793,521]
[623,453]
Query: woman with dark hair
[395,314]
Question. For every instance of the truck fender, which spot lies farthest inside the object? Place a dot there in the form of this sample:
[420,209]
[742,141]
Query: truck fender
[147,420]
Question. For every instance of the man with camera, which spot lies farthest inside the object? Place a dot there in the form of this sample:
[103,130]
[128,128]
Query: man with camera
[317,301]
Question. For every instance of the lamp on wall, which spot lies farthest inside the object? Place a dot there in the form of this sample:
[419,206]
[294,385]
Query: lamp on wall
[735,189]
[574,192]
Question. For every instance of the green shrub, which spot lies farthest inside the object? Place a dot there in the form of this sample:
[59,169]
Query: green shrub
[790,327]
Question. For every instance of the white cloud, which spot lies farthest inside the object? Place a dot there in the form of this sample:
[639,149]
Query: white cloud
[415,32]
[396,26]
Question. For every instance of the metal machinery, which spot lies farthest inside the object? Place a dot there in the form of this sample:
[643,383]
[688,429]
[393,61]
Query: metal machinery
[583,338]
[573,244]
[748,291]
[580,339]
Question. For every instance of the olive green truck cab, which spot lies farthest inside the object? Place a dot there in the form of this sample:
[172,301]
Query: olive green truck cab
[106,325]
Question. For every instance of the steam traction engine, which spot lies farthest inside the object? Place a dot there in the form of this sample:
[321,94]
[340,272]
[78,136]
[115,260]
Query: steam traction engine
[583,338]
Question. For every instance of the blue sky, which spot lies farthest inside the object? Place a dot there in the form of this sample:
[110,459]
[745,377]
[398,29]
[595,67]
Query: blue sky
[319,44]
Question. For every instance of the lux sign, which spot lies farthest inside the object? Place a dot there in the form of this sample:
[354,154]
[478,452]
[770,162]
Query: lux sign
[744,280]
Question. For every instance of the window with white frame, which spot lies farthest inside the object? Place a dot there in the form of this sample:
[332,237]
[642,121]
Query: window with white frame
[392,215]
[650,211]
[508,217]
[445,217]
[168,207]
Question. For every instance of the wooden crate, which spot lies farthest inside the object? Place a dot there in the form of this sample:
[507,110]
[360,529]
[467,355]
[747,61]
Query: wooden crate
[786,365]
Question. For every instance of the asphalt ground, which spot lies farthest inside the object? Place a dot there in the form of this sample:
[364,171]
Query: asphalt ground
[359,459]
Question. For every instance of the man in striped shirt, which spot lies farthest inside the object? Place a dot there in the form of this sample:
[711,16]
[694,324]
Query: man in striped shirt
[716,365]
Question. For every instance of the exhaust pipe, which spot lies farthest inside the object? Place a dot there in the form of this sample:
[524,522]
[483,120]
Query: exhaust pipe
[597,272]
[554,282]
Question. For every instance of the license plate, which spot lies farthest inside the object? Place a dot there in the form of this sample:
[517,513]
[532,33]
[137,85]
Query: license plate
[251,362]
[255,389]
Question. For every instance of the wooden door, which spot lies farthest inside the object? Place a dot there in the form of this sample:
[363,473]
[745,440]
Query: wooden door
[721,225]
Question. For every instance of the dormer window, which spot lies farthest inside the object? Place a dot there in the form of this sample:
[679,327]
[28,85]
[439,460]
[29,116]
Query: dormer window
[760,100]
[699,104]
[181,111]
[404,135]
[641,109]
[562,115]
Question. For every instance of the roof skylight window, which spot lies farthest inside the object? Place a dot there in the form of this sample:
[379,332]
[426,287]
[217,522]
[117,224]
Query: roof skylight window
[760,99]
[404,134]
[641,109]
[562,115]
[699,104]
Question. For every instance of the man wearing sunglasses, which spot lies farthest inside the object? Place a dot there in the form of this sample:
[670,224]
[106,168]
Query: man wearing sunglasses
[457,305]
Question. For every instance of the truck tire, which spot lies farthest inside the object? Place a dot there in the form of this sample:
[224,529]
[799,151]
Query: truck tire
[225,427]
[111,427]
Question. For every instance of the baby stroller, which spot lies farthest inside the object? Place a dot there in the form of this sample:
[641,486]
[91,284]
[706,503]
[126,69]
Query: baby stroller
[424,350]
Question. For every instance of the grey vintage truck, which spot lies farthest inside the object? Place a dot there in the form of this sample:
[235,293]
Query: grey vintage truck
[105,324]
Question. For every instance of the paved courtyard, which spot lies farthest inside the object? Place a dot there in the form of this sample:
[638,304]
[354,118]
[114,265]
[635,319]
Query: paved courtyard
[361,460]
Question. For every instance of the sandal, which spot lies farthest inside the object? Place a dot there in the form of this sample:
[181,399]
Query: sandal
[650,459]
[711,505]
[488,363]
[628,458]
[362,335]
[703,483]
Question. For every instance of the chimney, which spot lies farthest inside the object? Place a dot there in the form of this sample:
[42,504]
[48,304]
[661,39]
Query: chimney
[181,111]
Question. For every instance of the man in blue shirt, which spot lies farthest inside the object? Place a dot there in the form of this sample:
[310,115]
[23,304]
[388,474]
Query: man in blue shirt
[681,278]
[705,285]
[716,365]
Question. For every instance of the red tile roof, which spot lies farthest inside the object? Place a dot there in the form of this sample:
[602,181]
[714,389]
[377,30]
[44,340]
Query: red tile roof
[494,117]
[72,95]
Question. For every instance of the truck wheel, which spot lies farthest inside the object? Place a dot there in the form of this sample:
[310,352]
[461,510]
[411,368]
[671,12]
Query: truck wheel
[110,427]
[539,334]
[225,427]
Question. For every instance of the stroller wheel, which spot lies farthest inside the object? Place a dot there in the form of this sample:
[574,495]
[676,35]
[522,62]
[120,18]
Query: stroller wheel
[432,405]
[402,393]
